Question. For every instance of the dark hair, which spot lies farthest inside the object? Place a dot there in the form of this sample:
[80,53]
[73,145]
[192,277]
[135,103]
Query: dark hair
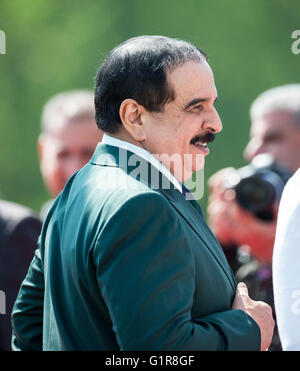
[137,69]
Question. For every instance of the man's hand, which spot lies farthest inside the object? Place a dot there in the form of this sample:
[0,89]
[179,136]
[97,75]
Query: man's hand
[259,311]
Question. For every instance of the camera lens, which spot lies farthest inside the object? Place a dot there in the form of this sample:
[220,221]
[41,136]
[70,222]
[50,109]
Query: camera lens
[259,185]
[255,194]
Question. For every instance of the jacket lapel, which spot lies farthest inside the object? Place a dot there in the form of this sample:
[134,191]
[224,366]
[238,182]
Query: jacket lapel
[192,216]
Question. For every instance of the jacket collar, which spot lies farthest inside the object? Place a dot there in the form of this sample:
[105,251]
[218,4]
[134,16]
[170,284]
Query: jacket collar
[132,164]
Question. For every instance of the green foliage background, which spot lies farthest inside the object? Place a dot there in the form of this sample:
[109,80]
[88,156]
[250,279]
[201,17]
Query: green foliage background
[56,45]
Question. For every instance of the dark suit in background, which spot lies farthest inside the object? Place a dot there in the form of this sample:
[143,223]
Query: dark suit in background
[19,231]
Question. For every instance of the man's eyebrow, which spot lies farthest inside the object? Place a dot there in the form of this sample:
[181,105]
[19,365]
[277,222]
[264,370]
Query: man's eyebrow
[196,101]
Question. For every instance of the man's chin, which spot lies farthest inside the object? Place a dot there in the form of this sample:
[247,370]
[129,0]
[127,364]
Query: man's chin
[188,173]
[184,167]
[199,163]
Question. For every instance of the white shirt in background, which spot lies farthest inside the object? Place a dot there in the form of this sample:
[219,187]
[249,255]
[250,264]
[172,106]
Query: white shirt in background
[286,266]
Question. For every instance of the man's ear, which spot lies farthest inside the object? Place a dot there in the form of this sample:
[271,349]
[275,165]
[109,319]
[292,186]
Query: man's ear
[131,114]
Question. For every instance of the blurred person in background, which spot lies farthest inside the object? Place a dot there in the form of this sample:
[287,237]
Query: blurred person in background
[19,231]
[246,239]
[68,138]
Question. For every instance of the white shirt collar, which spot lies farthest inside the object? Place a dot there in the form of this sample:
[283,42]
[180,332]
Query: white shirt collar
[146,155]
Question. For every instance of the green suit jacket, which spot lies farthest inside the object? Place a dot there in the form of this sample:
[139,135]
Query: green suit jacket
[124,264]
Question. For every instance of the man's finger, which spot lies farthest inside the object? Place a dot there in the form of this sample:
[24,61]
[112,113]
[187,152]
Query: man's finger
[242,289]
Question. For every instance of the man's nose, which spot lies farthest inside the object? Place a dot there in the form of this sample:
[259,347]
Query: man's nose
[213,122]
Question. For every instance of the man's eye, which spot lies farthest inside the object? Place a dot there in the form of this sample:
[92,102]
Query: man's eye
[197,108]
[273,138]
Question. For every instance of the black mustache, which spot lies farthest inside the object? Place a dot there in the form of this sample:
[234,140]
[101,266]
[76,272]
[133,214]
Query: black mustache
[204,138]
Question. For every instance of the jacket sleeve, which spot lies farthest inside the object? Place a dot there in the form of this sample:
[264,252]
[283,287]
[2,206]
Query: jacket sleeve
[146,274]
[27,314]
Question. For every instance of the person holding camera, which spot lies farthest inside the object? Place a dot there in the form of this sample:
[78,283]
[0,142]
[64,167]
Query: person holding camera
[243,204]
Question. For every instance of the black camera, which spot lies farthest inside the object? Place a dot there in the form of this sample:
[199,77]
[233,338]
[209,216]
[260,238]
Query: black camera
[259,185]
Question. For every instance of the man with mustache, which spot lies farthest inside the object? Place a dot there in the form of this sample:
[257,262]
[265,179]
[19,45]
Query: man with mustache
[125,261]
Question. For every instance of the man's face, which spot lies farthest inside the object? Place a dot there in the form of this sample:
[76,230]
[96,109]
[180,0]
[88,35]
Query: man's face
[275,133]
[174,132]
[65,150]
